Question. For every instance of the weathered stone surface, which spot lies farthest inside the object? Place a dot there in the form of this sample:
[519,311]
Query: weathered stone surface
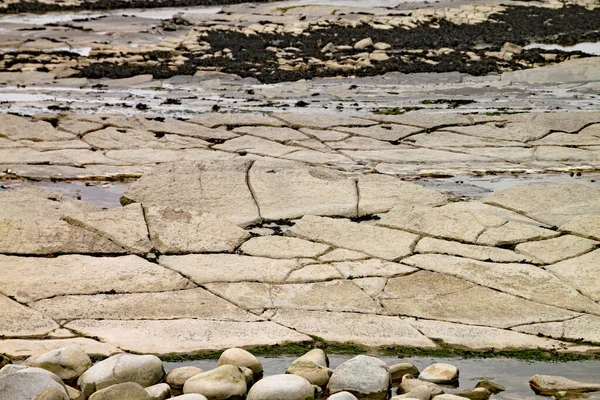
[441,373]
[127,390]
[481,338]
[581,272]
[522,280]
[206,268]
[553,250]
[554,204]
[29,279]
[223,382]
[336,295]
[178,376]
[319,121]
[513,131]
[380,242]
[175,231]
[240,358]
[74,394]
[31,384]
[311,368]
[160,391]
[314,273]
[576,70]
[410,155]
[218,187]
[17,128]
[22,348]
[68,363]
[342,255]
[585,225]
[18,320]
[390,133]
[483,253]
[418,393]
[342,396]
[282,387]
[371,268]
[547,385]
[281,135]
[513,233]
[379,193]
[191,396]
[411,384]
[144,370]
[192,303]
[255,145]
[122,139]
[447,298]
[585,327]
[123,226]
[363,376]
[282,247]
[45,237]
[181,128]
[213,120]
[286,190]
[183,336]
[350,328]
[397,371]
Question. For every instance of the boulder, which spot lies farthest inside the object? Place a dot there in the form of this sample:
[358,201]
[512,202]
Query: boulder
[317,356]
[160,391]
[363,376]
[440,373]
[410,383]
[30,383]
[68,362]
[399,370]
[363,44]
[145,370]
[240,358]
[191,396]
[547,385]
[420,393]
[316,374]
[475,394]
[282,387]
[177,377]
[224,382]
[342,396]
[493,387]
[121,391]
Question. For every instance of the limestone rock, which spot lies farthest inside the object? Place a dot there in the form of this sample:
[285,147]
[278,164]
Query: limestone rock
[18,128]
[379,242]
[342,396]
[418,393]
[144,370]
[217,187]
[547,385]
[440,373]
[18,320]
[282,247]
[177,231]
[585,327]
[483,253]
[410,383]
[363,44]
[554,250]
[191,396]
[316,374]
[29,279]
[365,377]
[68,363]
[213,120]
[282,387]
[123,226]
[492,387]
[513,233]
[23,348]
[224,382]
[177,377]
[241,358]
[74,394]
[585,225]
[34,204]
[371,268]
[397,371]
[127,390]
[320,121]
[161,391]
[31,384]
[316,356]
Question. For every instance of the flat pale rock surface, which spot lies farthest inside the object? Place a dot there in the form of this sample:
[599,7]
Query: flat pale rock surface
[581,272]
[283,247]
[23,348]
[585,327]
[18,320]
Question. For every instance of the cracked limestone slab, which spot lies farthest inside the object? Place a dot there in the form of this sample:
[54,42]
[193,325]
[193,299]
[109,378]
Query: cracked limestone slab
[177,127]
[389,133]
[411,155]
[31,203]
[283,247]
[581,272]
[483,253]
[282,135]
[193,303]
[18,320]
[285,190]
[554,204]
[388,244]
[125,226]
[447,298]
[522,280]
[360,329]
[181,231]
[380,193]
[446,139]
[586,327]
[491,216]
[213,120]
[371,286]
[342,255]
[185,336]
[320,121]
[44,237]
[141,156]
[207,268]
[336,295]
[371,268]
[216,186]
[584,225]
[28,278]
[512,131]
[482,338]
[18,128]
[314,273]
[317,157]
[426,120]
[519,155]
[557,249]
[558,153]
[558,121]
[256,145]
[360,143]
[513,233]
[120,138]
[77,126]
[23,348]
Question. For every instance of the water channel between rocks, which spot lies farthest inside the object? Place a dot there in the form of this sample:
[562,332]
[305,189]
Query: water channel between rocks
[511,373]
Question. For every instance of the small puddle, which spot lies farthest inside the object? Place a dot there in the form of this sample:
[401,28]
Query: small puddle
[592,48]
[512,373]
